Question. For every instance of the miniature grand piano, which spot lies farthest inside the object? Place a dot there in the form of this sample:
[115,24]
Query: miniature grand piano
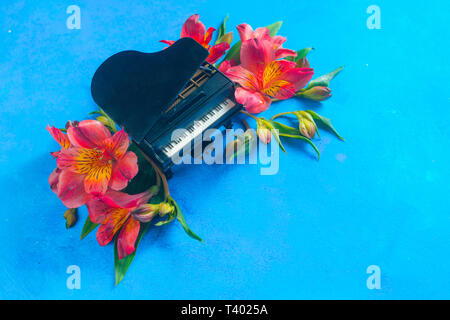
[150,95]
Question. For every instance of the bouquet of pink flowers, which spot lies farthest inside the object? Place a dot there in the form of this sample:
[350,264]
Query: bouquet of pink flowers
[99,166]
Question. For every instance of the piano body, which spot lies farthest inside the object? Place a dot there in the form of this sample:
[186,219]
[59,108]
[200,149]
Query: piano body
[150,95]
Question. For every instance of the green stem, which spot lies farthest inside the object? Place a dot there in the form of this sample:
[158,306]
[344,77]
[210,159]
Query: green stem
[250,115]
[281,114]
[245,124]
[160,176]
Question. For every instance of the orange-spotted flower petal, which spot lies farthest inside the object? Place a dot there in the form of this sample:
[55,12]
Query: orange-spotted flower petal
[90,164]
[275,70]
[112,223]
[273,86]
[242,76]
[59,136]
[279,89]
[117,145]
[97,179]
[100,208]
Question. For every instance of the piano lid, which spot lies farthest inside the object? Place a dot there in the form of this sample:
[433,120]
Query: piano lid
[135,88]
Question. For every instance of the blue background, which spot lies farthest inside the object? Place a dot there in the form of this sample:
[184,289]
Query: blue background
[310,231]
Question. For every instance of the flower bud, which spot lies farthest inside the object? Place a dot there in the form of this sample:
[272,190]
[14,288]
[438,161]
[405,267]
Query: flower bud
[165,208]
[71,217]
[316,93]
[302,63]
[107,122]
[145,212]
[228,38]
[264,135]
[307,125]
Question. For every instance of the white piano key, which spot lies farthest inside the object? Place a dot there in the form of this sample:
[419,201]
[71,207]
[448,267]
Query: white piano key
[197,128]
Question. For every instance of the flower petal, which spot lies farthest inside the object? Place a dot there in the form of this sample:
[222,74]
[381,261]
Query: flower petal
[123,200]
[59,136]
[256,54]
[98,210]
[79,160]
[280,89]
[278,41]
[193,28]
[53,180]
[117,145]
[88,134]
[275,70]
[245,31]
[97,179]
[283,53]
[224,66]
[124,170]
[299,77]
[127,238]
[274,86]
[217,51]
[244,77]
[70,189]
[254,102]
[169,42]
[261,33]
[208,35]
[114,220]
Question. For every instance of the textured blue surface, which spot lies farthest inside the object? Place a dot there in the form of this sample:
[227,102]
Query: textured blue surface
[310,231]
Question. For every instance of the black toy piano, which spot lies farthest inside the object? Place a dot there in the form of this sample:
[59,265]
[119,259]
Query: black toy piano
[150,95]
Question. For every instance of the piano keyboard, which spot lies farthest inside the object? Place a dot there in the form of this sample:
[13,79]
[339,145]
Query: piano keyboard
[197,128]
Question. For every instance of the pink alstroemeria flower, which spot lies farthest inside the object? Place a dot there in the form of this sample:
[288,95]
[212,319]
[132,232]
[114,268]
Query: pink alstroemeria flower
[263,78]
[113,211]
[196,30]
[263,34]
[90,161]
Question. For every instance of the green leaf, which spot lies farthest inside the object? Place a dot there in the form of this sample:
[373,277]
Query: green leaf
[180,218]
[284,129]
[146,176]
[325,122]
[88,227]
[171,216]
[235,50]
[301,137]
[303,53]
[274,27]
[222,30]
[95,112]
[121,265]
[323,81]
